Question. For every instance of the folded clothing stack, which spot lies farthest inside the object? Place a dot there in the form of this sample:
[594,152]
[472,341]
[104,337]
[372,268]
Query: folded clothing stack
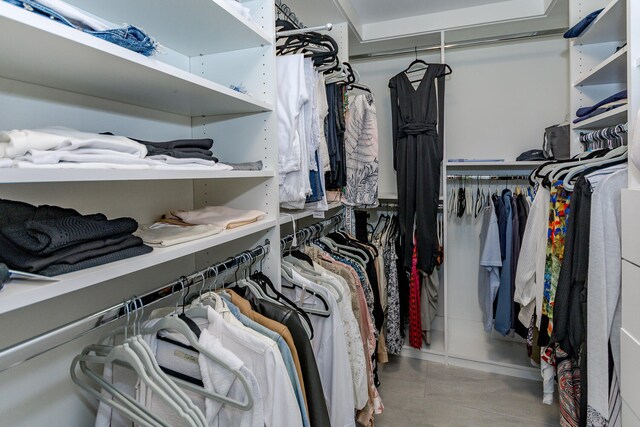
[50,240]
[61,147]
[178,227]
[127,36]
[614,101]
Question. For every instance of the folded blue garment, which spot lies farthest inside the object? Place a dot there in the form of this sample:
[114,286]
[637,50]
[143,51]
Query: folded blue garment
[597,112]
[127,36]
[584,111]
[579,28]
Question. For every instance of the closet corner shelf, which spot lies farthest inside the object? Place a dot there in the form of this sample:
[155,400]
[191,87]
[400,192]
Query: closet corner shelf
[609,26]
[285,215]
[78,62]
[18,176]
[610,118]
[18,293]
[211,26]
[611,70]
[493,165]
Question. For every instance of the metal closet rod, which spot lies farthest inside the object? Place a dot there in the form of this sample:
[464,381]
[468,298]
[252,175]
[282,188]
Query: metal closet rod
[315,229]
[461,44]
[28,349]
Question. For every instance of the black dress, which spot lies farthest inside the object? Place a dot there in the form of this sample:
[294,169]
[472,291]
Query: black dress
[417,156]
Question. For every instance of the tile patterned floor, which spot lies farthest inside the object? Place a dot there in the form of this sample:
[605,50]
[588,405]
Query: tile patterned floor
[420,393]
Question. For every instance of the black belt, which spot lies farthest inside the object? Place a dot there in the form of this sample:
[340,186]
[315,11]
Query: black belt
[418,128]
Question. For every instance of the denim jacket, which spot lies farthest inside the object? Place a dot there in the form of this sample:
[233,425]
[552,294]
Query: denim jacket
[127,36]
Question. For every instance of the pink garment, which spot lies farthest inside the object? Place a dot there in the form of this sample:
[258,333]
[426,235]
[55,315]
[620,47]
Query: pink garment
[367,332]
[221,216]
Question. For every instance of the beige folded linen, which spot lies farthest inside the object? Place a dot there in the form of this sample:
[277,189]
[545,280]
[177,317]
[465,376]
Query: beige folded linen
[221,216]
[163,235]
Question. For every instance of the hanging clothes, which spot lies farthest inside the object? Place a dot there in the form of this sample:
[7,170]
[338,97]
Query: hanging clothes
[417,157]
[361,149]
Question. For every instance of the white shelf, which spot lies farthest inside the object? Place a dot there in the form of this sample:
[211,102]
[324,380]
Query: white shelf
[611,70]
[18,293]
[610,118]
[285,215]
[212,25]
[54,55]
[14,175]
[493,165]
[388,196]
[609,26]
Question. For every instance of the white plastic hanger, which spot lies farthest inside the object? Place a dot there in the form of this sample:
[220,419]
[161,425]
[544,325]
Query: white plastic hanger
[177,325]
[288,275]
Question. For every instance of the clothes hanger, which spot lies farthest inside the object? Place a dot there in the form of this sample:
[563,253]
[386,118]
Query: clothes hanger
[123,353]
[287,273]
[145,353]
[599,164]
[309,273]
[359,254]
[124,403]
[177,325]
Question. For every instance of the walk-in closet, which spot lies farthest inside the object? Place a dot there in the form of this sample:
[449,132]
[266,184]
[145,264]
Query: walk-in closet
[327,213]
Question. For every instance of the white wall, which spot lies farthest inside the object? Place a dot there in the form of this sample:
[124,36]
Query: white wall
[498,100]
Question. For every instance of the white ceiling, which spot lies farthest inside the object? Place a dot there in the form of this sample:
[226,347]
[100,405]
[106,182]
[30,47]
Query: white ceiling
[375,11]
[376,25]
[373,20]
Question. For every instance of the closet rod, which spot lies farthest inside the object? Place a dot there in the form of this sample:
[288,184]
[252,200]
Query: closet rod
[28,349]
[488,177]
[316,228]
[326,27]
[461,44]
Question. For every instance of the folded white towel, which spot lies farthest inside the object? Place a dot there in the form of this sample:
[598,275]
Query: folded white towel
[18,142]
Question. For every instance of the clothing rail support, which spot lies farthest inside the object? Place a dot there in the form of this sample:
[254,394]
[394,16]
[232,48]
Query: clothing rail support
[28,349]
[326,27]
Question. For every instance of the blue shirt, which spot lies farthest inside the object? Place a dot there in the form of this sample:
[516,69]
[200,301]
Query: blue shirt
[505,297]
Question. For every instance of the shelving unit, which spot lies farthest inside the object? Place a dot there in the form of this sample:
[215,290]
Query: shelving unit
[20,293]
[78,62]
[610,118]
[611,70]
[214,27]
[59,76]
[607,27]
[286,215]
[492,165]
[599,63]
[16,175]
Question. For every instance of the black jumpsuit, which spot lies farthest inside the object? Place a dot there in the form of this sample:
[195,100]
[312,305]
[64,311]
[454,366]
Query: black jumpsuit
[417,157]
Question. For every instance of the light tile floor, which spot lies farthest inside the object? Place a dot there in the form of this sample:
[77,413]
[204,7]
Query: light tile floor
[420,393]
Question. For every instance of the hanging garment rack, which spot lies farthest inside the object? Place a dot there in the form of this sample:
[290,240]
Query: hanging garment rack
[610,137]
[28,349]
[311,232]
[394,206]
[283,9]
[488,177]
[460,44]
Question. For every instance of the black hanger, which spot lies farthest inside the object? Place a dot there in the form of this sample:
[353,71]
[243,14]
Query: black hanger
[296,253]
[265,283]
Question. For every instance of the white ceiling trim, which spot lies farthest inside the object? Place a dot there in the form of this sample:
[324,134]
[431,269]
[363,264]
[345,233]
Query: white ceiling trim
[447,20]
